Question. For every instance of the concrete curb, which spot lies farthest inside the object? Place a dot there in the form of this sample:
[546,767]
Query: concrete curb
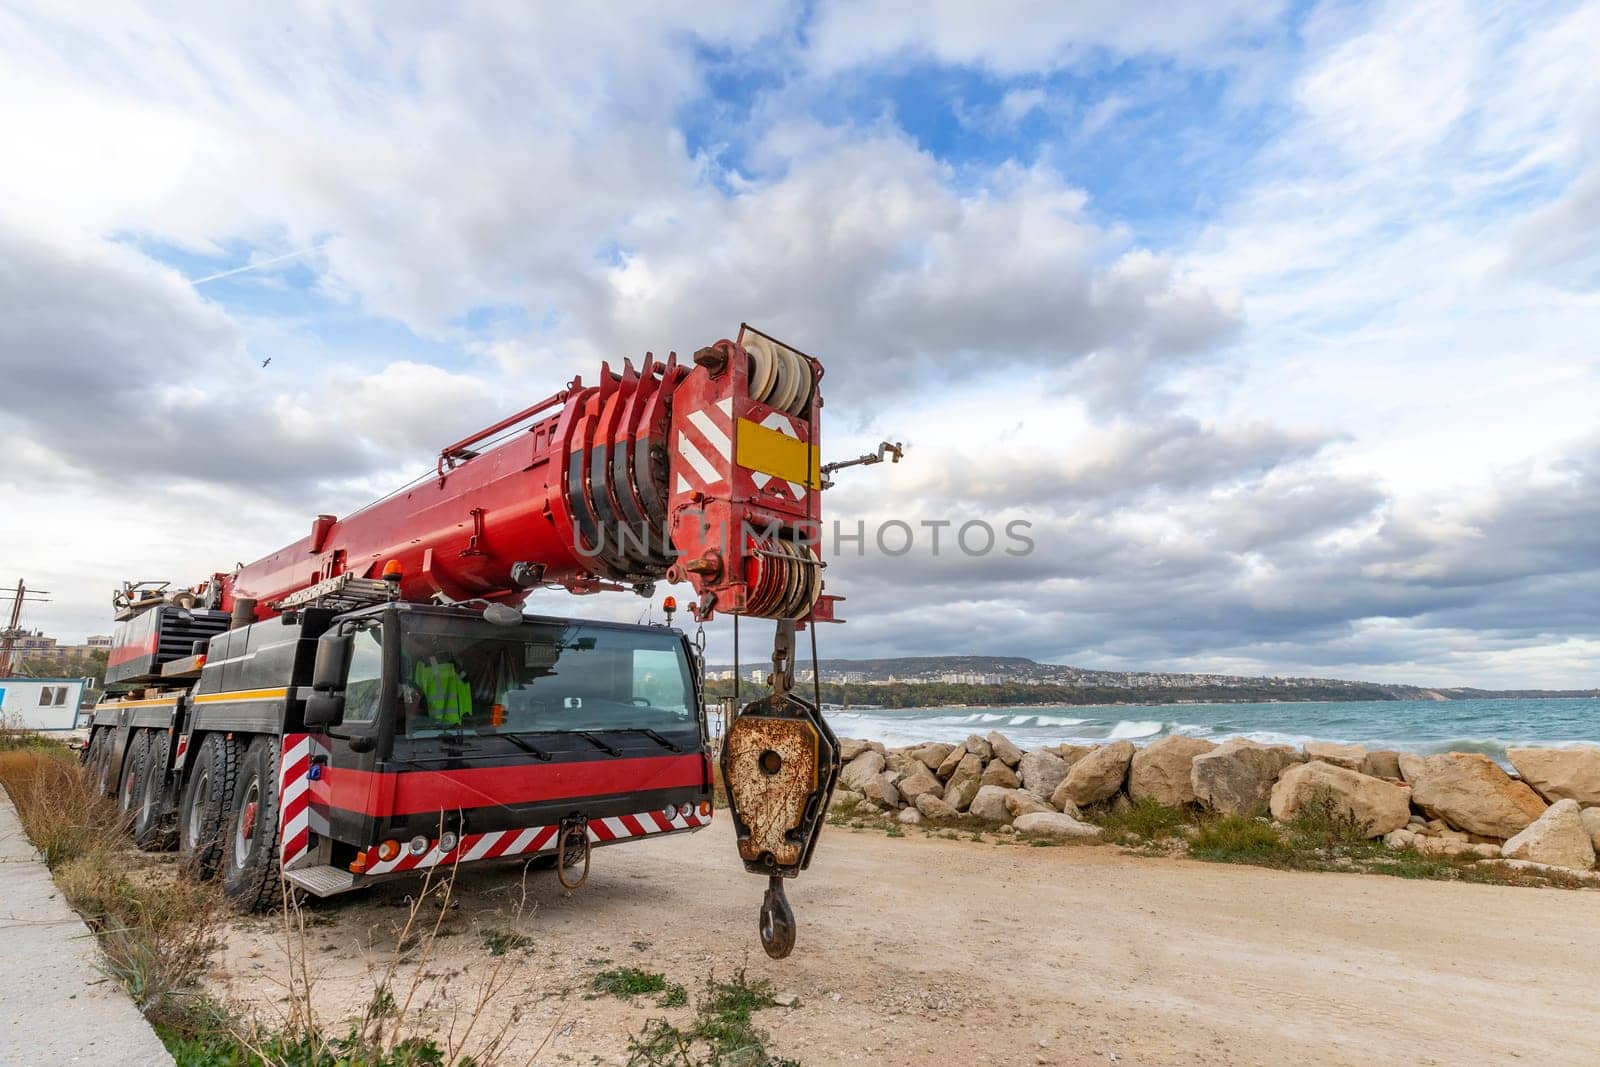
[56,1007]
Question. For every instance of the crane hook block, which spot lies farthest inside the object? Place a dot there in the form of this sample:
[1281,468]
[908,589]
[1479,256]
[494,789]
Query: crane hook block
[780,761]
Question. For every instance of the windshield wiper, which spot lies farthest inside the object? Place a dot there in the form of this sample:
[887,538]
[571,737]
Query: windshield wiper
[537,753]
[664,742]
[597,743]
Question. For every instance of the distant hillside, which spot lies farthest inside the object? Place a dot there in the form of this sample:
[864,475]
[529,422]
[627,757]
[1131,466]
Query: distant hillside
[1061,681]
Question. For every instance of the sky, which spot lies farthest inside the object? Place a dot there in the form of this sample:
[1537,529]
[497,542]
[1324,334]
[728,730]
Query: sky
[1278,324]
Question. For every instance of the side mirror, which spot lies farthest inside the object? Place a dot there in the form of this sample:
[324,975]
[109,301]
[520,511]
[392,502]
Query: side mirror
[333,662]
[324,709]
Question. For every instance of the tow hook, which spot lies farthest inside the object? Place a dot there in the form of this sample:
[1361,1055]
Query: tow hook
[573,847]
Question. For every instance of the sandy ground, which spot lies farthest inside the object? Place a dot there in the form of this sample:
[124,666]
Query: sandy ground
[923,950]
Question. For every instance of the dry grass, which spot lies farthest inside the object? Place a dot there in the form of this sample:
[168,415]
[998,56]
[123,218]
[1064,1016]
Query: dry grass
[156,929]
[59,812]
[391,1030]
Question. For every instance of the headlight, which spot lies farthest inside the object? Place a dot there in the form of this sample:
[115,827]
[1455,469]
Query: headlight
[448,841]
[686,809]
[419,845]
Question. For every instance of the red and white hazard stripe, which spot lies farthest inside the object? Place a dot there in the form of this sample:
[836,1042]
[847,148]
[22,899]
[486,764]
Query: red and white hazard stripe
[705,444]
[301,811]
[533,839]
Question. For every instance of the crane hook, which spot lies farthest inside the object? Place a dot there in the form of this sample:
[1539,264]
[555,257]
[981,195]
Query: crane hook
[777,920]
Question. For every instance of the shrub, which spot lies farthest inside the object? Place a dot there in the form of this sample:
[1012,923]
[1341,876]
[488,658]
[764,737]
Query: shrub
[1147,818]
[1238,839]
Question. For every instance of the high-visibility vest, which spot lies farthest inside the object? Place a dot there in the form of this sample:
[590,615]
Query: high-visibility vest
[448,694]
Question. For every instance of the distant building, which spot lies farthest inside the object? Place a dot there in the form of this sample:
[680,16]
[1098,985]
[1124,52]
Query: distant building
[41,703]
[42,648]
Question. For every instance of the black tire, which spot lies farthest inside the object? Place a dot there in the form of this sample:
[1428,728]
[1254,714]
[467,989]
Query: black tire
[251,878]
[133,765]
[207,802]
[151,821]
[95,760]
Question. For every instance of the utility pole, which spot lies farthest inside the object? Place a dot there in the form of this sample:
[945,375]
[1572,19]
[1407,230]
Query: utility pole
[13,630]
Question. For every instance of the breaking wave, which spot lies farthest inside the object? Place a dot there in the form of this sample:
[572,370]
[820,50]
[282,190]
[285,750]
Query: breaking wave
[1486,726]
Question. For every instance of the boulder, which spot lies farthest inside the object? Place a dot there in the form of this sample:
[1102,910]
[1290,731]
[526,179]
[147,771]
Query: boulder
[910,817]
[1469,791]
[1022,802]
[1161,770]
[990,803]
[1057,825]
[898,760]
[863,769]
[1383,807]
[997,773]
[932,754]
[959,793]
[844,798]
[977,746]
[1004,750]
[951,761]
[934,809]
[918,781]
[882,790]
[1401,838]
[1350,757]
[1591,822]
[1558,838]
[1384,763]
[1071,754]
[1236,777]
[1560,773]
[1438,846]
[1099,775]
[970,766]
[851,747]
[1041,772]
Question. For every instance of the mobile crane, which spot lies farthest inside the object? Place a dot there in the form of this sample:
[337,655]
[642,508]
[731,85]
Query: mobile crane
[371,700]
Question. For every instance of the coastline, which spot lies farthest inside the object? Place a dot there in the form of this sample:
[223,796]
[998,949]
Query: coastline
[1426,727]
[1544,809]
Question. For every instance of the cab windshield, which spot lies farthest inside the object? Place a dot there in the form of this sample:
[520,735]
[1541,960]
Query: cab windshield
[544,677]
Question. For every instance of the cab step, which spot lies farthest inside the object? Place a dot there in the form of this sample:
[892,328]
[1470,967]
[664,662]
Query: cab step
[321,881]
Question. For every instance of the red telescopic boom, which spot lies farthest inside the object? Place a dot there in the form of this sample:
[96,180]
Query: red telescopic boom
[706,473]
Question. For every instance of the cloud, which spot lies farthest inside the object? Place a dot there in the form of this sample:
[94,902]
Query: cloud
[1022,37]
[115,365]
[1339,419]
[861,249]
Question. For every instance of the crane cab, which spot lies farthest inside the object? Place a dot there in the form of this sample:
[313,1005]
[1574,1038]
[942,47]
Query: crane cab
[343,748]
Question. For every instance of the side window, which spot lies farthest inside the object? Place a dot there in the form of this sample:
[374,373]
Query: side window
[658,679]
[45,694]
[365,683]
[61,695]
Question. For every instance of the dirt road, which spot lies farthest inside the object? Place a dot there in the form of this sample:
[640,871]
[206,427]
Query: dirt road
[928,951]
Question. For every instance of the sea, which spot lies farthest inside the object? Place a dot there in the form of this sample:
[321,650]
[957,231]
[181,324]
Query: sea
[1422,726]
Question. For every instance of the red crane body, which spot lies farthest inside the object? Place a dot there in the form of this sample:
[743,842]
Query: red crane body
[707,473]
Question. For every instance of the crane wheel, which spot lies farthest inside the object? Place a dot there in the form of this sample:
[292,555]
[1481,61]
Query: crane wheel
[207,800]
[133,764]
[250,873]
[151,829]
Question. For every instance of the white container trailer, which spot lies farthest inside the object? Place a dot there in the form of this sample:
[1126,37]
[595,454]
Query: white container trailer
[40,703]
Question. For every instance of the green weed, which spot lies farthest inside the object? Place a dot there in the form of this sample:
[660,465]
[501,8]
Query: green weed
[499,942]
